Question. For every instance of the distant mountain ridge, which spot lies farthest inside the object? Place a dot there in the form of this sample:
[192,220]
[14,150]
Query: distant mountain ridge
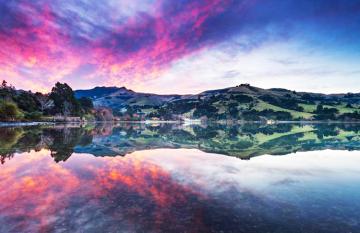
[242,102]
[97,92]
[117,97]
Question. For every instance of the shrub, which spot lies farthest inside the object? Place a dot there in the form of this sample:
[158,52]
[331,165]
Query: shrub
[28,102]
[86,104]
[33,115]
[243,98]
[205,110]
[9,111]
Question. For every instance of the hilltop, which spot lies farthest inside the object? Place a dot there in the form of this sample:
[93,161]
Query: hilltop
[242,102]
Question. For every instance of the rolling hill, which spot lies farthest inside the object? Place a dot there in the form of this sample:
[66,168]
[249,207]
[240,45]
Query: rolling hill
[243,102]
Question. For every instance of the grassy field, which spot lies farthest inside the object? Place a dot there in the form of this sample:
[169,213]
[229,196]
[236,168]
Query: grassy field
[341,107]
[261,105]
[308,107]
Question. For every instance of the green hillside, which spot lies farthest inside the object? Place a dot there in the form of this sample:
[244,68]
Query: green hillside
[255,104]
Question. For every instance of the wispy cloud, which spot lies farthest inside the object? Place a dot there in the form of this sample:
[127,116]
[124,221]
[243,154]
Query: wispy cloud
[130,42]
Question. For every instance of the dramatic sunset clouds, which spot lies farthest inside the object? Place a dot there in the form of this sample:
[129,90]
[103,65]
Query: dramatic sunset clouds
[185,46]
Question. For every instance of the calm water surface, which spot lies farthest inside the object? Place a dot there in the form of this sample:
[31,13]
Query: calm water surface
[171,178]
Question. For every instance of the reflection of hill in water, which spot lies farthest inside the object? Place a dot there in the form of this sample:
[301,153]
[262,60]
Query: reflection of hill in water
[243,141]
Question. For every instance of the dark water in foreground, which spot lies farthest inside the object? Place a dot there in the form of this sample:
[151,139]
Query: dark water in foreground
[171,178]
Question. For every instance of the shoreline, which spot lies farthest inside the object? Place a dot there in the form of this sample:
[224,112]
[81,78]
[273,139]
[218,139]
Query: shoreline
[21,123]
[35,123]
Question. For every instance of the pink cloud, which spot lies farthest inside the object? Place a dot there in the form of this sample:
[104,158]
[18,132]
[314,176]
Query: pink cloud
[141,47]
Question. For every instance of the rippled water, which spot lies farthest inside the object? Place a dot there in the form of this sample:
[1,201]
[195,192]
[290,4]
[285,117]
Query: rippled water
[169,178]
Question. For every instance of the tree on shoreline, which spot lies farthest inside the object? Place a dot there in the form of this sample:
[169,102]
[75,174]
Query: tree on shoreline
[19,104]
[44,101]
[9,111]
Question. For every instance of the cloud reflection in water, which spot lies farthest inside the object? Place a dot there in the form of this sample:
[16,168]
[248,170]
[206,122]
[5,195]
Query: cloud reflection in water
[180,190]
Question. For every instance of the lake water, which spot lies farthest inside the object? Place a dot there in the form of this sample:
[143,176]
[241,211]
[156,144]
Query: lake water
[175,178]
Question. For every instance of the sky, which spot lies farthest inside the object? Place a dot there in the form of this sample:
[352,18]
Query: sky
[181,46]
